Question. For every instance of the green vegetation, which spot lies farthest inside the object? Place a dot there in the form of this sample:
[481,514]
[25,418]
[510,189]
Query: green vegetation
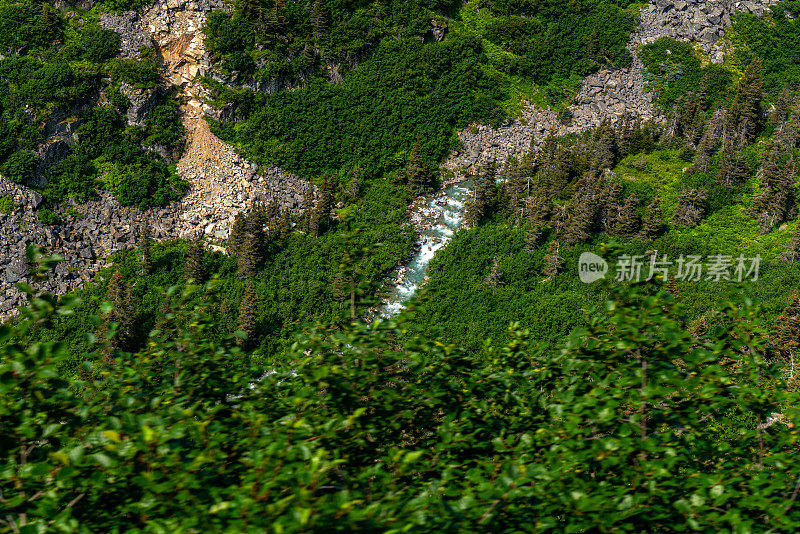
[53,64]
[674,69]
[6,205]
[188,390]
[772,39]
[299,279]
[407,86]
[635,422]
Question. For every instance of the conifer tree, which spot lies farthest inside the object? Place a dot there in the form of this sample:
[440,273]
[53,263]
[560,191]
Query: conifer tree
[744,114]
[706,149]
[609,203]
[733,167]
[193,268]
[418,173]
[319,22]
[495,277]
[792,253]
[249,256]
[653,223]
[145,249]
[776,201]
[552,260]
[691,208]
[123,313]
[628,222]
[787,335]
[781,112]
[237,235]
[483,196]
[605,147]
[248,317]
[320,216]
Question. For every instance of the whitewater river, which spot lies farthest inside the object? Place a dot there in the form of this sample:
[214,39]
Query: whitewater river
[436,221]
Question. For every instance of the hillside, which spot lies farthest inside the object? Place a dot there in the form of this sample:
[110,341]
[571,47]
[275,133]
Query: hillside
[435,266]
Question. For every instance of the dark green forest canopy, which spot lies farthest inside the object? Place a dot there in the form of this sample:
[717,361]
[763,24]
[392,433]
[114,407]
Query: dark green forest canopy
[406,86]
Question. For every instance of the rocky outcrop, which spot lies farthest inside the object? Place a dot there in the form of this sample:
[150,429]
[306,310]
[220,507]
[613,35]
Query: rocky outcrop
[142,102]
[132,35]
[222,183]
[607,94]
[702,22]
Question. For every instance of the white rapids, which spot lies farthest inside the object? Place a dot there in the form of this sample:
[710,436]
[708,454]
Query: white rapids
[436,220]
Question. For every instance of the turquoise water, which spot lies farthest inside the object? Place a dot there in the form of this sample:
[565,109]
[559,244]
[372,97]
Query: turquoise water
[442,216]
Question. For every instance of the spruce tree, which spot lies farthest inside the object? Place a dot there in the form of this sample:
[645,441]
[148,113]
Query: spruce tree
[744,114]
[733,167]
[193,267]
[653,223]
[320,216]
[692,207]
[628,222]
[553,261]
[123,313]
[319,23]
[787,335]
[145,249]
[248,317]
[781,112]
[495,277]
[417,172]
[483,196]
[609,203]
[237,235]
[247,264]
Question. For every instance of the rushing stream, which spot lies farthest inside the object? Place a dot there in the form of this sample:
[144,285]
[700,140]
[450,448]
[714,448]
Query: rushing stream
[436,222]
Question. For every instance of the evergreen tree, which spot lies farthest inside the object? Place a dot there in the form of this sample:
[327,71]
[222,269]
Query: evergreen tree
[787,335]
[781,112]
[692,207]
[609,203]
[653,223]
[733,167]
[123,313]
[553,261]
[248,317]
[706,149]
[321,214]
[238,234]
[319,23]
[249,257]
[193,267]
[744,114]
[495,277]
[483,196]
[605,147]
[775,203]
[418,173]
[145,249]
[628,222]
[792,254]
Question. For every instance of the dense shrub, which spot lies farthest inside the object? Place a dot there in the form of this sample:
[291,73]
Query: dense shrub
[673,69]
[19,166]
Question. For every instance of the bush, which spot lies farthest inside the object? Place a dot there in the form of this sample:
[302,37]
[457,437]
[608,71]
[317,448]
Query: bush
[139,74]
[20,166]
[6,205]
[47,217]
